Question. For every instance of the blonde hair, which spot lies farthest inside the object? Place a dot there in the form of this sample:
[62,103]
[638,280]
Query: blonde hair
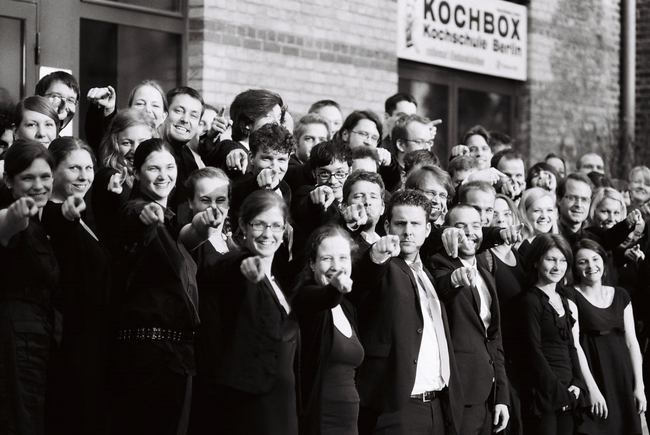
[601,194]
[528,198]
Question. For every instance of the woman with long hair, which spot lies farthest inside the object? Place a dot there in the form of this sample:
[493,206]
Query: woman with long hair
[331,350]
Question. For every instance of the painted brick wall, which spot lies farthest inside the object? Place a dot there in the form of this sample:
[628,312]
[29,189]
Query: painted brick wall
[305,50]
[571,101]
[642,142]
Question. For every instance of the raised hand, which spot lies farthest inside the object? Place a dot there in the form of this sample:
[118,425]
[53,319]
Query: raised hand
[103,97]
[220,123]
[489,175]
[206,221]
[452,238]
[152,213]
[459,150]
[355,215]
[341,282]
[633,218]
[387,246]
[268,179]
[463,277]
[322,195]
[253,269]
[21,210]
[237,159]
[383,156]
[117,181]
[72,207]
[512,234]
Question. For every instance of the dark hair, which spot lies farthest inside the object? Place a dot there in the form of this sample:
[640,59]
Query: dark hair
[592,246]
[419,175]
[249,106]
[356,176]
[260,201]
[539,167]
[153,84]
[459,207]
[146,148]
[400,129]
[57,76]
[324,103]
[22,154]
[599,180]
[313,243]
[271,137]
[466,188]
[476,130]
[575,176]
[419,158]
[540,246]
[365,153]
[36,104]
[391,102]
[408,197]
[185,90]
[61,148]
[505,154]
[353,119]
[497,137]
[325,153]
[6,115]
[462,163]
[554,156]
[109,150]
[207,172]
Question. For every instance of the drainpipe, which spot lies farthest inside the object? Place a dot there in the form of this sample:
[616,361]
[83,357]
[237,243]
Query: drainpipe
[628,68]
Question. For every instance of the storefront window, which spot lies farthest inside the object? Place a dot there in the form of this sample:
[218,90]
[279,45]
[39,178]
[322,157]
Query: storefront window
[489,109]
[11,59]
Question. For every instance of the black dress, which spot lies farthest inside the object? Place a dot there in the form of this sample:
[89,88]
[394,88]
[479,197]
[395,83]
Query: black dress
[550,358]
[602,337]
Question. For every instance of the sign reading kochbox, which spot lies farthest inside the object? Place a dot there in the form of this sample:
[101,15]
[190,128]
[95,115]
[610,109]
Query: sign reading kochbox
[483,36]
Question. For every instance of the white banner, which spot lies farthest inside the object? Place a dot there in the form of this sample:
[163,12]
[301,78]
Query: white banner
[483,36]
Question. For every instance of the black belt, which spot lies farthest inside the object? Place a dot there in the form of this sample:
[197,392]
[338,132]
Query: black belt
[427,396]
[156,334]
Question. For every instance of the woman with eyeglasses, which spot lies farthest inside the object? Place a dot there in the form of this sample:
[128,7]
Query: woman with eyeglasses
[35,119]
[253,374]
[156,300]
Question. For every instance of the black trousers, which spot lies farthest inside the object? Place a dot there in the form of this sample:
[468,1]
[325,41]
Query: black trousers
[149,397]
[415,418]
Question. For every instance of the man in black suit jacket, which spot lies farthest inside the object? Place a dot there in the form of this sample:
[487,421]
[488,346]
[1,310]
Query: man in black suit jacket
[408,383]
[468,289]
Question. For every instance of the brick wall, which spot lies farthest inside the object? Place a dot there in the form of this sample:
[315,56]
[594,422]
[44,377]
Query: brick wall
[571,100]
[305,50]
[642,142]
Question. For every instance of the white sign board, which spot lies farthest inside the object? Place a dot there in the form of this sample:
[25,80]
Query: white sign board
[483,36]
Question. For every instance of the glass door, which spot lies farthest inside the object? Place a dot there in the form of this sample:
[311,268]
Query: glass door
[17,50]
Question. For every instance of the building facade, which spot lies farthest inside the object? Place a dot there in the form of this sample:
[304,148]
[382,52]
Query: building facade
[346,50]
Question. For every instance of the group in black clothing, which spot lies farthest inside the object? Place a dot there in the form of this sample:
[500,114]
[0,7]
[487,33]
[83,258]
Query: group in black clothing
[237,278]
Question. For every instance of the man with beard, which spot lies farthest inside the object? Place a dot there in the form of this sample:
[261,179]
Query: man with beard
[468,290]
[511,163]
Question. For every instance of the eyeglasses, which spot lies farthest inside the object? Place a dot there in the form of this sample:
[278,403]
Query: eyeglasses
[576,198]
[260,227]
[326,175]
[421,142]
[431,194]
[54,97]
[366,135]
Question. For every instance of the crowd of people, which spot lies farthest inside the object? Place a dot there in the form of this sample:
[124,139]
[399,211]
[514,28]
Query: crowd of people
[187,272]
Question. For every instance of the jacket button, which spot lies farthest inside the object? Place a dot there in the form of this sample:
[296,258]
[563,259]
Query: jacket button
[415,360]
[491,362]
[419,330]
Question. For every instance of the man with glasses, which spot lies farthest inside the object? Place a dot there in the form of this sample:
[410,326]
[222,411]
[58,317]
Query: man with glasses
[411,133]
[436,186]
[62,89]
[574,200]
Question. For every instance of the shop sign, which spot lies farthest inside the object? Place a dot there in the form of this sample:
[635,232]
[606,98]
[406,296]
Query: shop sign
[483,36]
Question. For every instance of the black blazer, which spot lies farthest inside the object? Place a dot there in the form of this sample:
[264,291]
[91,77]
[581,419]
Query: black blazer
[313,304]
[479,353]
[252,321]
[390,327]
